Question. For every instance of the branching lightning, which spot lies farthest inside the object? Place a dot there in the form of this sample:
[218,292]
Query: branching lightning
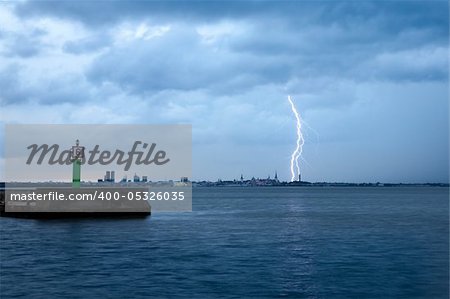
[299,145]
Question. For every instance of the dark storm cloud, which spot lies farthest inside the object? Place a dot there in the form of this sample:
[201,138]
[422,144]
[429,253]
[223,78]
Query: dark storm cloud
[91,43]
[16,90]
[268,54]
[393,15]
[22,45]
[101,13]
[178,60]
[370,77]
[10,86]
[286,40]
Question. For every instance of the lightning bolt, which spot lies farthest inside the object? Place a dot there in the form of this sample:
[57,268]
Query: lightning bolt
[299,145]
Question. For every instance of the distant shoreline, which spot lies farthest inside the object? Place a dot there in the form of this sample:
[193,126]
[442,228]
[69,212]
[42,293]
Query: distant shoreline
[250,183]
[325,184]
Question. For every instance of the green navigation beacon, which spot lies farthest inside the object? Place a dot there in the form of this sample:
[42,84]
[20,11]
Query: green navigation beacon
[77,157]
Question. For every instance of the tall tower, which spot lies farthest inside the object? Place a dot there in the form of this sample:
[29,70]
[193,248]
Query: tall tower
[77,157]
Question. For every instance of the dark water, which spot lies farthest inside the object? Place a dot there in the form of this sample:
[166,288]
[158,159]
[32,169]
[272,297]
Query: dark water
[242,242]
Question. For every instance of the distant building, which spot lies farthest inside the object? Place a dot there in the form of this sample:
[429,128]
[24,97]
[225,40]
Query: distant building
[136,178]
[144,178]
[184,179]
[107,176]
[110,176]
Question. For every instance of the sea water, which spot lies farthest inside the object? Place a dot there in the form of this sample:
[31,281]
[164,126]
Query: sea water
[266,242]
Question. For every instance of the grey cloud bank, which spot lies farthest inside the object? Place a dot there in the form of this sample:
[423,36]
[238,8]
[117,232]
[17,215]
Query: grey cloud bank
[370,79]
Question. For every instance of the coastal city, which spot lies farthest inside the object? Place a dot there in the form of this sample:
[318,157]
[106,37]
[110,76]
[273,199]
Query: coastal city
[110,179]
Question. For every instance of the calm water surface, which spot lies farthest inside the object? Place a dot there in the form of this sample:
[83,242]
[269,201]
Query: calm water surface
[242,243]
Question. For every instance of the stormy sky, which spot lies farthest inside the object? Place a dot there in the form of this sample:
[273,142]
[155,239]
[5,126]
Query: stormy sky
[370,80]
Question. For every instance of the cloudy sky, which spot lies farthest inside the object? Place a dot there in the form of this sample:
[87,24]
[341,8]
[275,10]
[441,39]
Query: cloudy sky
[370,80]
